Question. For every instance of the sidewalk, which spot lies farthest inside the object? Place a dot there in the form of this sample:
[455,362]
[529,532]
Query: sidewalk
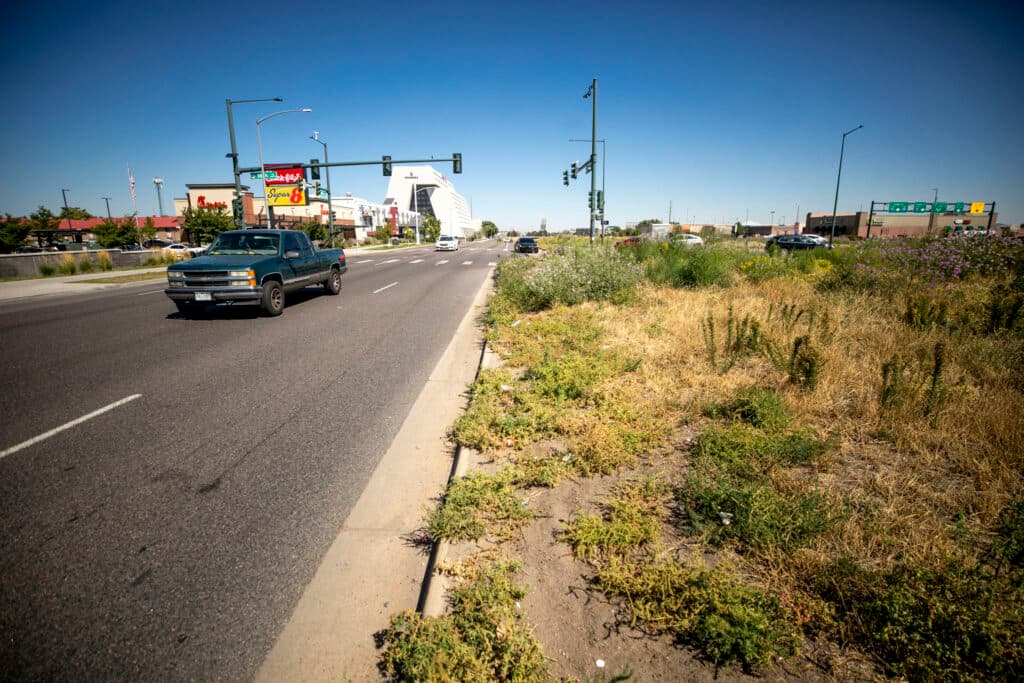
[70,284]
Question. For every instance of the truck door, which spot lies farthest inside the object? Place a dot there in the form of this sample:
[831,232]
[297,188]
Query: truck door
[299,266]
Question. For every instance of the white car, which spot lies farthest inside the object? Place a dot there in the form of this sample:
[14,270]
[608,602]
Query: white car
[185,251]
[447,243]
[689,239]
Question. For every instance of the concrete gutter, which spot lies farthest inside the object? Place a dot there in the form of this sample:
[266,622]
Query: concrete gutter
[376,566]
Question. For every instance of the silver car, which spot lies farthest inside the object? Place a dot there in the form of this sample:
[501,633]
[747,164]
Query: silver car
[447,243]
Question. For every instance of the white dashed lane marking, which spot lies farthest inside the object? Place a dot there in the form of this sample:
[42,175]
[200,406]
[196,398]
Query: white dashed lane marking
[378,291]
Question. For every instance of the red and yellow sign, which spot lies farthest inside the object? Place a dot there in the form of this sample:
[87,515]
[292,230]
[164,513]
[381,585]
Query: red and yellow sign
[285,174]
[286,195]
[977,207]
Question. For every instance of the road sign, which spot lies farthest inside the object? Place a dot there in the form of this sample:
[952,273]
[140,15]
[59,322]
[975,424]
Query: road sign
[257,175]
[958,207]
[939,207]
[284,174]
[898,207]
[977,207]
[920,207]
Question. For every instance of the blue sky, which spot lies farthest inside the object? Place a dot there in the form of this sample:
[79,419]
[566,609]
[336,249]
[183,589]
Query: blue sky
[724,109]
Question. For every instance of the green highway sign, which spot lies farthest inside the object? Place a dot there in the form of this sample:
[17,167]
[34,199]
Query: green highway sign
[898,207]
[958,207]
[939,207]
[920,207]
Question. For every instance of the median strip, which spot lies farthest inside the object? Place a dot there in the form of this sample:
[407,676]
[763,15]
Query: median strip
[68,425]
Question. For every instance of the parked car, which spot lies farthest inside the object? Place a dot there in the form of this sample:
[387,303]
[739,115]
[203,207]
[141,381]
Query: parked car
[688,239]
[527,245]
[156,244]
[184,250]
[795,242]
[628,242]
[28,249]
[447,243]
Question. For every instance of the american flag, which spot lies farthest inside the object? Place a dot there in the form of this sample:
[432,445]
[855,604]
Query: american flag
[131,183]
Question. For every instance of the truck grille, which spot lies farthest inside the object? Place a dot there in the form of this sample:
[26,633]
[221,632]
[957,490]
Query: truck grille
[206,278]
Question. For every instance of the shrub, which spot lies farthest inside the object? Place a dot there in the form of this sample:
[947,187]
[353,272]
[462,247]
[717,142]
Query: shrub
[67,265]
[677,265]
[85,265]
[46,270]
[103,261]
[756,406]
[949,622]
[480,639]
[478,505]
[730,622]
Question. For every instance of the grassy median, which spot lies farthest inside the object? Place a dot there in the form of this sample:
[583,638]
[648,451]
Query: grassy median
[858,456]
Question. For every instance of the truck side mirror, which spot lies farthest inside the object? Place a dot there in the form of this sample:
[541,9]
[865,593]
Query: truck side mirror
[292,253]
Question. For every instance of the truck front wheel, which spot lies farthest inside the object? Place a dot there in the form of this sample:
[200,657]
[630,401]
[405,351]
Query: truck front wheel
[273,298]
[333,282]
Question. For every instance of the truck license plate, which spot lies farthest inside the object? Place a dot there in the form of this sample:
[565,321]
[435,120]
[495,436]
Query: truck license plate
[203,296]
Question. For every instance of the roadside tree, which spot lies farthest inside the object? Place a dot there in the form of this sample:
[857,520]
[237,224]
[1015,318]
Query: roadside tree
[75,213]
[431,228]
[114,234]
[13,232]
[203,224]
[316,230]
[489,229]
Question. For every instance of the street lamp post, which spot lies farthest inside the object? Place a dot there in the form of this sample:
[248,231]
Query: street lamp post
[835,203]
[159,200]
[107,200]
[592,93]
[234,149]
[936,199]
[263,169]
[67,211]
[315,137]
[604,196]
[771,220]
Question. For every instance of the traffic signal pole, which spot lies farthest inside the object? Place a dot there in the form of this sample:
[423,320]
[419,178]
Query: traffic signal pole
[593,158]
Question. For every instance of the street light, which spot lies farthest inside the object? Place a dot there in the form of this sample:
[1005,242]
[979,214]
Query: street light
[159,200]
[67,211]
[936,195]
[234,149]
[771,220]
[835,204]
[107,200]
[315,137]
[263,170]
[604,196]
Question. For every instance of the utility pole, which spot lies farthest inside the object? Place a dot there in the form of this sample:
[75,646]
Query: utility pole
[592,92]
[107,200]
[67,211]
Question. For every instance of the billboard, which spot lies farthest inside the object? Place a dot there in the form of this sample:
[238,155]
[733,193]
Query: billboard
[284,174]
[286,195]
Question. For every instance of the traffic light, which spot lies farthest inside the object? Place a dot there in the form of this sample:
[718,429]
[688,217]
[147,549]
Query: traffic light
[314,169]
[590,200]
[600,201]
[574,169]
[386,167]
[565,178]
[236,209]
[457,162]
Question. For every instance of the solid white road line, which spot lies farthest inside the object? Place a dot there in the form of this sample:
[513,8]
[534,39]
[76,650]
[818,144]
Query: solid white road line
[378,291]
[69,425]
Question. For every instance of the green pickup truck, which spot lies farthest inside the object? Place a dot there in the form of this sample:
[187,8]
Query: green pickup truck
[253,266]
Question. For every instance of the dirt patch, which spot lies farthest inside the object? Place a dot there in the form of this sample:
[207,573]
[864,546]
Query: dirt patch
[578,626]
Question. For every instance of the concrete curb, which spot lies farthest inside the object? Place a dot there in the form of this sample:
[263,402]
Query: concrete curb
[435,586]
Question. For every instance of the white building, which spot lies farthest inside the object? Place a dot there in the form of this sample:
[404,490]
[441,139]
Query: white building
[368,217]
[424,190]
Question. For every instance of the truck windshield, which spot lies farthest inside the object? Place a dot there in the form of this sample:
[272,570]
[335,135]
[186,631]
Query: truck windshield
[242,243]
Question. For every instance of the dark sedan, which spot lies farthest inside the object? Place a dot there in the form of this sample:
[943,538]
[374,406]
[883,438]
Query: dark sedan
[794,242]
[527,245]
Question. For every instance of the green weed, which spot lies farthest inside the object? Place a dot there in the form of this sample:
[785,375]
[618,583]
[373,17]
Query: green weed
[46,270]
[482,639]
[476,506]
[631,520]
[756,406]
[730,622]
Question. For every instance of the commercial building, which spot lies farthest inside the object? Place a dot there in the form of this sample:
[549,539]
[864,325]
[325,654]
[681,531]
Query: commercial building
[903,223]
[426,191]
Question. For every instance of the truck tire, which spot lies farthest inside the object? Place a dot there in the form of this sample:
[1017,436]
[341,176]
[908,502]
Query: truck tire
[332,285]
[273,298]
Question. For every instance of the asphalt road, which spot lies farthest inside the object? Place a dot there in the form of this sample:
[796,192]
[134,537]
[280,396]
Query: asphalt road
[170,536]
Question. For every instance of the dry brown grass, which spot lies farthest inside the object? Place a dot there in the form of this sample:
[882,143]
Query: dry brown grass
[919,485]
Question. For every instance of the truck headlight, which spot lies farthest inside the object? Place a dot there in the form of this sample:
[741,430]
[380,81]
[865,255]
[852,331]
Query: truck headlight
[175,274]
[249,275]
